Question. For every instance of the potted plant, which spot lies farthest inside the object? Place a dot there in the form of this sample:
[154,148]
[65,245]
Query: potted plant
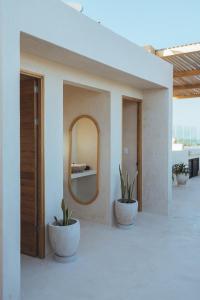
[64,235]
[126,208]
[181,171]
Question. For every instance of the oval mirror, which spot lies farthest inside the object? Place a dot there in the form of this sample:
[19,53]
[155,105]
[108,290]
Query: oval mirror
[84,159]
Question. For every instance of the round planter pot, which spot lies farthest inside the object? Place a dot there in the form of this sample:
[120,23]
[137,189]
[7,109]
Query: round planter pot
[182,179]
[64,240]
[126,212]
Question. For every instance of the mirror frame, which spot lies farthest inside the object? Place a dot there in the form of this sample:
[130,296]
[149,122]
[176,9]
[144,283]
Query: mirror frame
[70,158]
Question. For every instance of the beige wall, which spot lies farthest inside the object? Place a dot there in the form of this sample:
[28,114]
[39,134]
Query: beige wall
[108,105]
[79,101]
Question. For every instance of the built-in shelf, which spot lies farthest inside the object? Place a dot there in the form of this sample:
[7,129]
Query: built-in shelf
[83,174]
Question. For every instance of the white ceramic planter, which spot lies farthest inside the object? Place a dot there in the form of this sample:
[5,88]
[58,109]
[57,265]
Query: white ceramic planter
[126,212]
[65,240]
[182,179]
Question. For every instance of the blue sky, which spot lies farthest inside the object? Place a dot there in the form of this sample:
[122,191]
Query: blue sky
[156,22]
[187,112]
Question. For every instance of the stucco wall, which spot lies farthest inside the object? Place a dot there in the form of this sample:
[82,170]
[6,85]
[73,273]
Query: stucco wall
[93,41]
[156,110]
[53,141]
[79,101]
[155,106]
[55,76]
[157,145]
[180,156]
[9,153]
[97,47]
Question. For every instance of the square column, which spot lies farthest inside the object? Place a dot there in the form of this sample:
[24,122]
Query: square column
[9,153]
[157,148]
[115,150]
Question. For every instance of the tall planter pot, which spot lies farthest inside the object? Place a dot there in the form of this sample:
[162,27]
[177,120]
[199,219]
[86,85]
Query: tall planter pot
[182,179]
[64,240]
[126,212]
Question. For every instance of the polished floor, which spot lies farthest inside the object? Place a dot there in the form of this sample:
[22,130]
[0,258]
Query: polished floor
[158,259]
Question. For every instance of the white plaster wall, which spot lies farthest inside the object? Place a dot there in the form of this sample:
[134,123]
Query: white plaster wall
[9,153]
[93,41]
[79,101]
[116,150]
[157,137]
[180,156]
[53,141]
[77,76]
[54,75]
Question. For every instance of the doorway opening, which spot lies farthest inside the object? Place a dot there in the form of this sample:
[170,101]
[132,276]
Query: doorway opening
[186,157]
[32,166]
[132,142]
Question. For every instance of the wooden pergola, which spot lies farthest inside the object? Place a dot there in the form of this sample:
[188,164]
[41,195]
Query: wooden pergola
[186,62]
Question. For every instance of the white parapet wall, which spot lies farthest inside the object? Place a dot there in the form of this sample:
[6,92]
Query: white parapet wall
[183,156]
[180,157]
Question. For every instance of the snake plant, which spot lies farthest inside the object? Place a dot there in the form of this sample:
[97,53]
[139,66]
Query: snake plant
[66,216]
[127,188]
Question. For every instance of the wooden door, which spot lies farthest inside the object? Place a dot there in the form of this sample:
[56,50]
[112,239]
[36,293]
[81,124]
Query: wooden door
[132,142]
[129,154]
[29,164]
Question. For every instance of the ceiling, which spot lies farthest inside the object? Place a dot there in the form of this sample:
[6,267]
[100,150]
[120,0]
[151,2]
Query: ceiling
[41,48]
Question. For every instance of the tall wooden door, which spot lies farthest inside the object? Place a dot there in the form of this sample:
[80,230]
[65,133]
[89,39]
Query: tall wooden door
[132,143]
[29,164]
[130,138]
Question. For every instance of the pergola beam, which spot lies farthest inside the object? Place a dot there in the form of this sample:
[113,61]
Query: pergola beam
[179,74]
[179,97]
[186,62]
[180,50]
[187,87]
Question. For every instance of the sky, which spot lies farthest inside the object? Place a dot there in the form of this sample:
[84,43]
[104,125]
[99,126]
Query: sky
[186,120]
[158,23]
[187,112]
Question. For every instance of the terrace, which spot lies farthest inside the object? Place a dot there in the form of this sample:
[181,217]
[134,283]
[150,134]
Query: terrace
[157,259]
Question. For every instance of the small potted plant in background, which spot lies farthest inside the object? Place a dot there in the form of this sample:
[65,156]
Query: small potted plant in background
[64,235]
[181,171]
[126,208]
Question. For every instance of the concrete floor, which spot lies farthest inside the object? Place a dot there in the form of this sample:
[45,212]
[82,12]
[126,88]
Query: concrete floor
[186,199]
[157,259]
